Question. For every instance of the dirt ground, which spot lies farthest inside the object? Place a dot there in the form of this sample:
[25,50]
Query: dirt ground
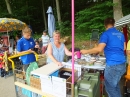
[7,87]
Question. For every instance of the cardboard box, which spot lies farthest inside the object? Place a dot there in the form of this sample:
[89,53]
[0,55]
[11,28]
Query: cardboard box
[54,85]
[60,85]
[21,76]
[69,80]
[76,67]
[41,61]
[35,82]
[46,84]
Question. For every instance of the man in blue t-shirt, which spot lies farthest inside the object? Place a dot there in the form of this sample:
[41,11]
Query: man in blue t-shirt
[112,42]
[26,44]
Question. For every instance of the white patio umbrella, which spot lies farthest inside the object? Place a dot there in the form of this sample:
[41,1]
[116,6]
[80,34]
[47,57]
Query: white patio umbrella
[123,21]
[121,24]
[51,22]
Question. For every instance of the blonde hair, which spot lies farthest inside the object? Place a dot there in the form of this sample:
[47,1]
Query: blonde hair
[26,30]
[56,32]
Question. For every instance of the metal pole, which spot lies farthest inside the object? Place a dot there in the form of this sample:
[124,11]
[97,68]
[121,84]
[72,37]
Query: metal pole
[72,86]
[8,38]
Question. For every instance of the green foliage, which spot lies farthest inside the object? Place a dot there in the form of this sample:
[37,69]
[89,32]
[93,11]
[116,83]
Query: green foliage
[82,36]
[126,7]
[37,36]
[89,15]
[64,28]
[93,16]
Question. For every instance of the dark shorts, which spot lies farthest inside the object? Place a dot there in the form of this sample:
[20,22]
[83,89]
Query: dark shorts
[25,67]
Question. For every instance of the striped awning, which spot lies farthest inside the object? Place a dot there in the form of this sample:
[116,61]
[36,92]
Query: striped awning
[123,21]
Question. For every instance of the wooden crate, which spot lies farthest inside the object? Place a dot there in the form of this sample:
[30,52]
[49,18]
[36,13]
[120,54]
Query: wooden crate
[35,82]
[69,80]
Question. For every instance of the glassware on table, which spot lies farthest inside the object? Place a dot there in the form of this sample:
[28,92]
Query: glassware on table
[91,63]
[78,54]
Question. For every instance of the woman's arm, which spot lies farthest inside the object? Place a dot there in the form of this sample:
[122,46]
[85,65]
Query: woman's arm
[49,53]
[67,52]
[124,45]
[128,52]
[128,48]
[19,48]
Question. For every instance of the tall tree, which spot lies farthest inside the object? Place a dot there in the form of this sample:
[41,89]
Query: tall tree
[8,6]
[117,9]
[44,15]
[58,12]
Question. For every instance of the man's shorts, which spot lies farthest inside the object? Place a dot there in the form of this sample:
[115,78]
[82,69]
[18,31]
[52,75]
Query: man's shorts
[25,67]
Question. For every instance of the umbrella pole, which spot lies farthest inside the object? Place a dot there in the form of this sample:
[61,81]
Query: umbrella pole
[8,38]
[72,86]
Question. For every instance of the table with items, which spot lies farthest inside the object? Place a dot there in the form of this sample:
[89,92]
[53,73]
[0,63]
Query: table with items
[42,83]
[91,63]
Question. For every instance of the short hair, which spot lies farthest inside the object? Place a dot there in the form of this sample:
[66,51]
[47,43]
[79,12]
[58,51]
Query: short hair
[26,30]
[37,41]
[45,31]
[56,32]
[109,21]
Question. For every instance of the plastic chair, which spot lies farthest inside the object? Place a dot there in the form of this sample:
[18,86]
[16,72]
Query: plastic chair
[94,36]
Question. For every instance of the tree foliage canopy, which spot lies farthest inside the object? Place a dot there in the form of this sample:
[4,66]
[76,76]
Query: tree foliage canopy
[93,16]
[89,13]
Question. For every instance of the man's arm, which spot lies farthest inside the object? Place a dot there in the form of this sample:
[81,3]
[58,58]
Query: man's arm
[19,48]
[124,45]
[95,50]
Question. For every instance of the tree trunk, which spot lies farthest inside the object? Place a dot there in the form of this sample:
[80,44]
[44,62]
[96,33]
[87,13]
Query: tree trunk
[44,15]
[117,9]
[58,12]
[8,6]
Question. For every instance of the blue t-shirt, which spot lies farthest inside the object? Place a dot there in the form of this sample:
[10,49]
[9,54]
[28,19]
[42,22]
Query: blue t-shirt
[24,45]
[114,49]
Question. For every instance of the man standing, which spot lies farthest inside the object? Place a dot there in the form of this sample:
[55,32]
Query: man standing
[113,43]
[26,44]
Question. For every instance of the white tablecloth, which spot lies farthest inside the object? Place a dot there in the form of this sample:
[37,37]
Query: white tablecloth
[102,67]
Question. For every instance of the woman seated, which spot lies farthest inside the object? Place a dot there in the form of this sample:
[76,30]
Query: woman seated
[57,50]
